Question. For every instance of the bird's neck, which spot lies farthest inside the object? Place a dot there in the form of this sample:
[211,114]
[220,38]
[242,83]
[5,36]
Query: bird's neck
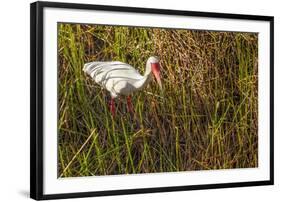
[147,69]
[141,83]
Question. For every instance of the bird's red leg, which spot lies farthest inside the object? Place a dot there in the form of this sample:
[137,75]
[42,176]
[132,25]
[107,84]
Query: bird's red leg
[112,107]
[129,104]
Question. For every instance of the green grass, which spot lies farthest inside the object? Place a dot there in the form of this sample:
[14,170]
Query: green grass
[206,117]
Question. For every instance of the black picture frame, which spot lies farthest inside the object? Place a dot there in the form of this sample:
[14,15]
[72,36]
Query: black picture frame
[37,101]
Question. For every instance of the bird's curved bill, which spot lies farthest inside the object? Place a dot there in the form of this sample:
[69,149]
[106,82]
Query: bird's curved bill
[159,82]
[156,72]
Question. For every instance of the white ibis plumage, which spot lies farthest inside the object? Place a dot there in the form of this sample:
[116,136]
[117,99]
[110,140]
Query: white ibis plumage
[122,79]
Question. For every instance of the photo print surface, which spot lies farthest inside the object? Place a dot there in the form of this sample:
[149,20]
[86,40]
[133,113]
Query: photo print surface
[135,100]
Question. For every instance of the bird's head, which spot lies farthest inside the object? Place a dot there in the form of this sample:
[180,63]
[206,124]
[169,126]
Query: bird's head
[153,64]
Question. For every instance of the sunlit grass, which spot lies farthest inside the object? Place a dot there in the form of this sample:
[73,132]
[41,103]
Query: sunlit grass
[206,117]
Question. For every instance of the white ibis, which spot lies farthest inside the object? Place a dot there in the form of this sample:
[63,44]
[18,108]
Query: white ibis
[122,79]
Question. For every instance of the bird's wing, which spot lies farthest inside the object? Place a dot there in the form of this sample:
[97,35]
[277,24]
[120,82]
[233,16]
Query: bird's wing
[101,72]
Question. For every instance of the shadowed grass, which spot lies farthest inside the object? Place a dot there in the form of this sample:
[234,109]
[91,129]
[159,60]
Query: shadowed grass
[206,117]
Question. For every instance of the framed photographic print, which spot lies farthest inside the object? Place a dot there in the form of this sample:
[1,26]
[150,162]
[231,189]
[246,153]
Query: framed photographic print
[136,100]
